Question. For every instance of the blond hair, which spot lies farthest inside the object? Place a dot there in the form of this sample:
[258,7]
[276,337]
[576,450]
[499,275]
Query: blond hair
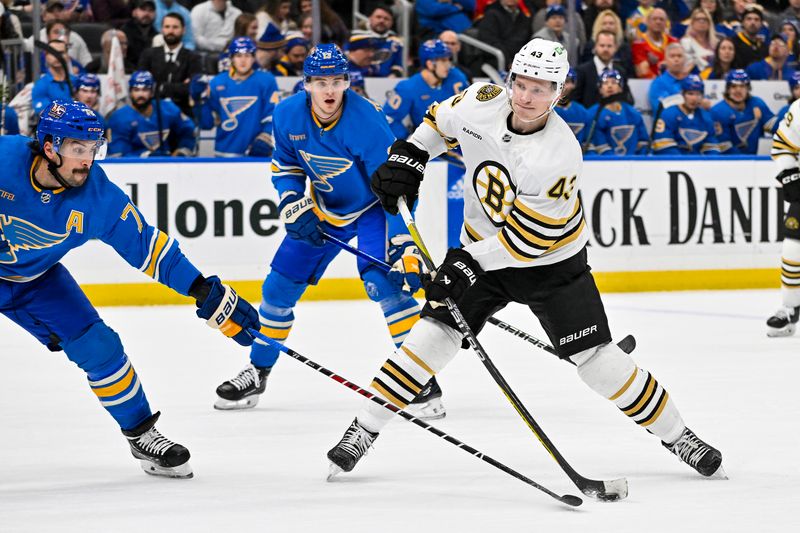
[598,22]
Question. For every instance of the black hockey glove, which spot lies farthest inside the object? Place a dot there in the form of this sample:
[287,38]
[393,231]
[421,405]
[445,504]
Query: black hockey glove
[790,179]
[457,273]
[400,175]
[222,309]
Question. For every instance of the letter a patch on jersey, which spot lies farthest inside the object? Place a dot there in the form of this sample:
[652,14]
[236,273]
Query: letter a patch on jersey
[234,106]
[325,168]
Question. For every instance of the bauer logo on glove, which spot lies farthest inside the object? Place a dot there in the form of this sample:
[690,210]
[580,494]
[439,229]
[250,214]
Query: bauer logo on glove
[407,264]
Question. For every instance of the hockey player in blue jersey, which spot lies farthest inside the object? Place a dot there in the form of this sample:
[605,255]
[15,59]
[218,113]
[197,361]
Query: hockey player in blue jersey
[794,89]
[573,113]
[239,103]
[87,91]
[686,128]
[335,139]
[56,199]
[741,119]
[619,128]
[436,81]
[149,127]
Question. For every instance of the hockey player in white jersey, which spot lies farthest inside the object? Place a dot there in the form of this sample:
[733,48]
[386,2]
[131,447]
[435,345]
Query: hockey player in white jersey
[785,150]
[524,240]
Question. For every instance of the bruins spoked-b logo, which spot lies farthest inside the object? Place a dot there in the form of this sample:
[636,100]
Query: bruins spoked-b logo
[487,92]
[495,190]
[792,223]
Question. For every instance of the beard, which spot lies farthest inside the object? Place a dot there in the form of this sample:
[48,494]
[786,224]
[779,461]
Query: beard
[172,39]
[140,103]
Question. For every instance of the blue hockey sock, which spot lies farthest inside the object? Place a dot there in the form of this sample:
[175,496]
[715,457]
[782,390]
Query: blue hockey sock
[401,313]
[120,392]
[276,323]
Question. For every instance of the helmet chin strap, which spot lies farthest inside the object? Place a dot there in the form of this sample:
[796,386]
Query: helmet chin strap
[53,168]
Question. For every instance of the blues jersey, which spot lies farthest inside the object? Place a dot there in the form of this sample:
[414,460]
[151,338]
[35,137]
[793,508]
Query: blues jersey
[765,70]
[243,111]
[42,225]
[738,131]
[338,161]
[11,121]
[620,130]
[47,89]
[412,97]
[678,132]
[577,118]
[388,60]
[131,134]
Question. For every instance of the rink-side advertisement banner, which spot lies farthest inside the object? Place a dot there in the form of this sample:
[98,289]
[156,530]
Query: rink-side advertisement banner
[654,224]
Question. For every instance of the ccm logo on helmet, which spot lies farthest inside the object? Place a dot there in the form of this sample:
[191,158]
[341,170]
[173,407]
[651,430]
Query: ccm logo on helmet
[577,335]
[408,161]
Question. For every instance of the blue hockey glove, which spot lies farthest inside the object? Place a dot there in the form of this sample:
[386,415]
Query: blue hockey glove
[262,146]
[457,273]
[222,309]
[407,264]
[299,218]
[198,87]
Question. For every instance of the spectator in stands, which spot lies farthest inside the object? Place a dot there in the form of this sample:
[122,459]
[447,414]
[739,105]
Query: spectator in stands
[246,25]
[306,26]
[749,47]
[648,52]
[389,56]
[56,83]
[172,64]
[792,31]
[792,11]
[113,12]
[100,65]
[734,19]
[275,12]
[741,119]
[57,30]
[435,16]
[669,82]
[554,20]
[618,127]
[291,64]
[589,72]
[360,51]
[573,113]
[580,29]
[334,30]
[723,60]
[505,26]
[212,23]
[171,6]
[10,121]
[775,66]
[139,29]
[594,9]
[269,48]
[149,126]
[636,23]
[356,83]
[700,40]
[10,26]
[686,128]
[77,11]
[794,89]
[609,21]
[450,38]
[436,81]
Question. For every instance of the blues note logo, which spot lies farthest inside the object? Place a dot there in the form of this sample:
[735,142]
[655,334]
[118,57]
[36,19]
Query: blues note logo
[233,107]
[325,168]
[22,235]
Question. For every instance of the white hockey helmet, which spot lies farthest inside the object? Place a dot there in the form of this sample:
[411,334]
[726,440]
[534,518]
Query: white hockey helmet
[543,60]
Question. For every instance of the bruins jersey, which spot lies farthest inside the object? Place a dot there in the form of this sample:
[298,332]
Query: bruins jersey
[786,140]
[521,205]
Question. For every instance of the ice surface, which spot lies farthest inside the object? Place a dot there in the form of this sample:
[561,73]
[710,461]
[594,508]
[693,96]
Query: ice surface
[65,467]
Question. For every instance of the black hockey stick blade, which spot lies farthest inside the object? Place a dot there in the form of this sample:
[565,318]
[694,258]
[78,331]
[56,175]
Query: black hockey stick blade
[628,344]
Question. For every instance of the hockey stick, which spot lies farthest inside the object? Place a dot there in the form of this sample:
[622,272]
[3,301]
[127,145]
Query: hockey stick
[626,345]
[664,103]
[567,498]
[603,490]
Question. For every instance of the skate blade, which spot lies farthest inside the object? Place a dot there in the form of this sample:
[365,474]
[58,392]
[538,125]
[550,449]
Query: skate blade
[786,331]
[719,474]
[333,471]
[234,405]
[431,410]
[183,471]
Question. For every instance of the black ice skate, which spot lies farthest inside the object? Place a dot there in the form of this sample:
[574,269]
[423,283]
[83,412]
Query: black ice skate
[783,323]
[353,446]
[703,457]
[428,403]
[242,392]
[158,455]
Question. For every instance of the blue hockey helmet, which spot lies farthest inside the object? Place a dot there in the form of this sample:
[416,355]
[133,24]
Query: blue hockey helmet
[693,82]
[356,79]
[241,45]
[737,77]
[141,79]
[325,60]
[67,119]
[794,79]
[611,75]
[571,75]
[88,81]
[433,49]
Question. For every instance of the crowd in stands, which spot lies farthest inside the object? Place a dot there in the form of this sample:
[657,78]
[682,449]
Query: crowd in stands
[183,55]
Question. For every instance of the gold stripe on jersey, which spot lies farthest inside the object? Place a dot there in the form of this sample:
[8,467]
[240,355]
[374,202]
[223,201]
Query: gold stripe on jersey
[661,144]
[790,263]
[569,237]
[528,237]
[430,120]
[471,233]
[786,141]
[544,220]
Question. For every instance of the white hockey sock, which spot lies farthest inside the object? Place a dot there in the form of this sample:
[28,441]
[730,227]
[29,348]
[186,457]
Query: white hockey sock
[426,350]
[612,373]
[790,273]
